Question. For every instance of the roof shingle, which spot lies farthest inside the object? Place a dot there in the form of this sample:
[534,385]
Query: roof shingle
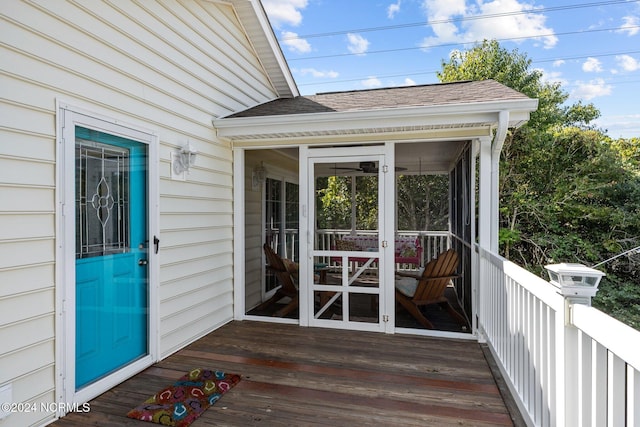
[467,92]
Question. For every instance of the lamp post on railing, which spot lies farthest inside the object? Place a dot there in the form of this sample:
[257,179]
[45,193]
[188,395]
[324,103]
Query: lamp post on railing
[577,283]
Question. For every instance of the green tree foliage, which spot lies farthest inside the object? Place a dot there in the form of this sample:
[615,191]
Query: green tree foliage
[333,199]
[568,193]
[629,150]
[423,202]
[489,60]
[367,202]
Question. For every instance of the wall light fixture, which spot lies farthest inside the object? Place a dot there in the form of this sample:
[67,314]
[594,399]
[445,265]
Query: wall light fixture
[184,159]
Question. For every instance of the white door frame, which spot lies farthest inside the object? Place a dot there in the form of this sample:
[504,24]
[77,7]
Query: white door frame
[386,203]
[68,118]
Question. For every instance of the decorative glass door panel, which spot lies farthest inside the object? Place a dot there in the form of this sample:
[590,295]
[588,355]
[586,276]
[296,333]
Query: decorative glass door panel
[347,247]
[111,254]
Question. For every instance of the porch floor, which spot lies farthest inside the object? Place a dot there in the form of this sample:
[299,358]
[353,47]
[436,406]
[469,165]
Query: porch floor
[321,377]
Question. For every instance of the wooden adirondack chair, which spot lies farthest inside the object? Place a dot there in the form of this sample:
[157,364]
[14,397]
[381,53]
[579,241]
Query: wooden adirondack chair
[429,288]
[287,287]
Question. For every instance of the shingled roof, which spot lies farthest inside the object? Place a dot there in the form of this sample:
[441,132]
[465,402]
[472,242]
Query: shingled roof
[467,92]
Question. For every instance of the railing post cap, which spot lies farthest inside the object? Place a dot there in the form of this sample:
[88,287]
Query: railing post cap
[574,280]
[574,268]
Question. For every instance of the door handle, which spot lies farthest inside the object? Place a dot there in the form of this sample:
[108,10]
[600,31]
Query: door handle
[142,262]
[156,243]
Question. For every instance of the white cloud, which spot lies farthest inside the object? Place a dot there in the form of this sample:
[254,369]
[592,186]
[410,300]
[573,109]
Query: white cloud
[442,10]
[514,25]
[357,44]
[284,11]
[371,82]
[406,82]
[295,44]
[592,65]
[319,74]
[591,89]
[559,63]
[553,77]
[511,26]
[393,9]
[628,63]
[623,126]
[630,25]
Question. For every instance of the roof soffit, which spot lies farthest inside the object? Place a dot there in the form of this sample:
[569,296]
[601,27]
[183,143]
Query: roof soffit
[397,120]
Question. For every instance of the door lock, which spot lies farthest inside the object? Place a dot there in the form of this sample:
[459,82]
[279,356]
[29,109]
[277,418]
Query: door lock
[142,262]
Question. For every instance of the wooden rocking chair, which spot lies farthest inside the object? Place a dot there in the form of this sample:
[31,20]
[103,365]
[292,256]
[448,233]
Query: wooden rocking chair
[287,286]
[429,288]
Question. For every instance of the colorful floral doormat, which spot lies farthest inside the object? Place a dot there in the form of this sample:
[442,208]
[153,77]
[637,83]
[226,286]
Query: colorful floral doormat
[180,404]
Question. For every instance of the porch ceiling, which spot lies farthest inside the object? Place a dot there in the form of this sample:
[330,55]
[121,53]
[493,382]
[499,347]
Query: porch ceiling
[430,157]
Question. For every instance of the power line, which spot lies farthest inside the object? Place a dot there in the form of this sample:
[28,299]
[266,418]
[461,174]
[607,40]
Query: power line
[403,49]
[451,44]
[357,79]
[584,56]
[427,72]
[387,76]
[630,251]
[460,19]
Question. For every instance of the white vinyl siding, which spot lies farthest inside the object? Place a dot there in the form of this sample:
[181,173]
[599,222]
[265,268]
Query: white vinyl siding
[27,253]
[167,66]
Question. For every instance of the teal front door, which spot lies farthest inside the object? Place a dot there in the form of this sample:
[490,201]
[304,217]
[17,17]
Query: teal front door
[111,254]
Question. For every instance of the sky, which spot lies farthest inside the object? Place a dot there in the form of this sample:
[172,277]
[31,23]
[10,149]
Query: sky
[591,47]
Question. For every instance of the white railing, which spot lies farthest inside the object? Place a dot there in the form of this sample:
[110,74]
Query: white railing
[607,353]
[291,245]
[566,364]
[432,242]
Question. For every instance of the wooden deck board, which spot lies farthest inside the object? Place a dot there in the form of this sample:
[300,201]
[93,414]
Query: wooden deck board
[295,376]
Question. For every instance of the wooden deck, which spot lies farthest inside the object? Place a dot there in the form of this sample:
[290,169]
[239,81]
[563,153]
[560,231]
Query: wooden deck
[293,376]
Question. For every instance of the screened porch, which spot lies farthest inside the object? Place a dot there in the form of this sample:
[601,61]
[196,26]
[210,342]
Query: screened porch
[433,192]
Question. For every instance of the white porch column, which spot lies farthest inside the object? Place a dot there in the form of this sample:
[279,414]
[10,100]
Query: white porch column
[484,226]
[495,201]
[485,194]
[496,149]
[475,259]
[238,235]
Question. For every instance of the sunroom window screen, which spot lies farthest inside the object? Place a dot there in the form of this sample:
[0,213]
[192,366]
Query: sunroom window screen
[102,199]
